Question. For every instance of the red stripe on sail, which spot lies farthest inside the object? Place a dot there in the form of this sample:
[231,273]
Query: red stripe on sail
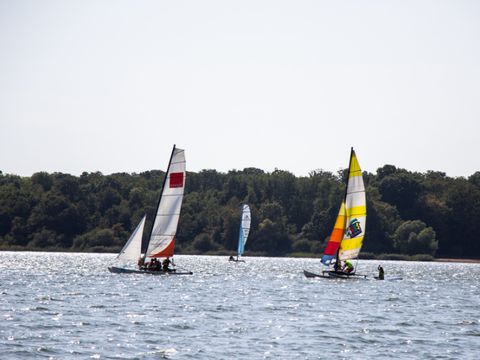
[331,248]
[334,243]
[167,252]
[176,180]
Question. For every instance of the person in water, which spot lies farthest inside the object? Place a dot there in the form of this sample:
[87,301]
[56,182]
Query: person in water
[348,267]
[381,273]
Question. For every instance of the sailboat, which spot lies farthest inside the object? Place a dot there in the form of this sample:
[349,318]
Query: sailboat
[348,232]
[244,231]
[161,240]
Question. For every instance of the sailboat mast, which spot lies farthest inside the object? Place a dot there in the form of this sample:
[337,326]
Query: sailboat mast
[345,201]
[348,175]
[159,199]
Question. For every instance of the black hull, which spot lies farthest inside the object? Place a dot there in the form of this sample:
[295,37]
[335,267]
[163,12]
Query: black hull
[333,275]
[117,270]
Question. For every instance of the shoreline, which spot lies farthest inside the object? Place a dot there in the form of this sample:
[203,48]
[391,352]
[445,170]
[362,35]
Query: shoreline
[468,261]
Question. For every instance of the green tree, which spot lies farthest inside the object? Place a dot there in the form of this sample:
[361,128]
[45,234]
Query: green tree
[414,237]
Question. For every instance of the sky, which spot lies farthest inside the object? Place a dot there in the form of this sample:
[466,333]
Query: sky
[111,85]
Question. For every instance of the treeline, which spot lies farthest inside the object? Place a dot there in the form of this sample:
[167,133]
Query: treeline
[408,212]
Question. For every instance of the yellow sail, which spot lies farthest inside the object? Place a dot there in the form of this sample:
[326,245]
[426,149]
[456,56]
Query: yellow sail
[355,211]
[347,235]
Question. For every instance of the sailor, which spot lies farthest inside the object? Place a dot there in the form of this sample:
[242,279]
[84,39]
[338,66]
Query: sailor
[153,265]
[337,266]
[348,267]
[381,272]
[166,264]
[141,262]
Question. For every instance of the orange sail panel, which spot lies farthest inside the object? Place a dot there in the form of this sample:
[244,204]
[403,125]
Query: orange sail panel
[335,237]
[167,252]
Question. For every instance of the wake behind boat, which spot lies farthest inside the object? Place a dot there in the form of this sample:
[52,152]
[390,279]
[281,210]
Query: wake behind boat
[348,232]
[119,270]
[161,241]
[388,278]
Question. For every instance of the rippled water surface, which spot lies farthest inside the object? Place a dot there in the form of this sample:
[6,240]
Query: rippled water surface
[68,306]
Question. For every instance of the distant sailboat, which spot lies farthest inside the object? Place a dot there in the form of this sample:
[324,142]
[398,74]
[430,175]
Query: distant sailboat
[161,241]
[244,231]
[348,232]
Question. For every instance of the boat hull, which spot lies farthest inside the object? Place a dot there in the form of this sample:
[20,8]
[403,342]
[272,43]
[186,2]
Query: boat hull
[118,270]
[333,275]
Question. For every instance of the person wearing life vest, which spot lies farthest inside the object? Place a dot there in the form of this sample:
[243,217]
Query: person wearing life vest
[348,267]
[141,262]
[381,273]
[166,264]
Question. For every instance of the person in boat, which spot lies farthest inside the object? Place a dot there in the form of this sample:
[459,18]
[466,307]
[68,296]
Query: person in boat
[381,272]
[154,265]
[166,264]
[348,267]
[141,262]
[149,265]
[337,266]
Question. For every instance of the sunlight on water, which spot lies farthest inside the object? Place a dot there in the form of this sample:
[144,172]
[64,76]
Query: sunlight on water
[68,306]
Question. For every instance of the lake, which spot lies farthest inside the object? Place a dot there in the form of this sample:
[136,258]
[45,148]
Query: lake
[68,306]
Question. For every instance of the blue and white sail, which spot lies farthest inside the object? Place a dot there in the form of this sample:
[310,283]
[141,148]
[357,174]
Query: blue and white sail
[244,229]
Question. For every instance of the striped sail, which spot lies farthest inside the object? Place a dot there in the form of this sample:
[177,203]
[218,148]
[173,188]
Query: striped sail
[347,236]
[336,237]
[244,229]
[133,247]
[162,236]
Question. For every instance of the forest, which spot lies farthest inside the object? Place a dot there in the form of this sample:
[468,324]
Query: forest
[409,213]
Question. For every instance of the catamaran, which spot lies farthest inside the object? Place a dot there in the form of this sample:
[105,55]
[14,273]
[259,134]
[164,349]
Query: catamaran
[244,231]
[348,232]
[161,241]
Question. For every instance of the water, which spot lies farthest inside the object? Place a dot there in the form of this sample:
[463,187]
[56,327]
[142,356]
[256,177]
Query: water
[68,306]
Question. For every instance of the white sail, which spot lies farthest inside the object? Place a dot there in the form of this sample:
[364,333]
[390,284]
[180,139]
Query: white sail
[244,229]
[164,228]
[133,248]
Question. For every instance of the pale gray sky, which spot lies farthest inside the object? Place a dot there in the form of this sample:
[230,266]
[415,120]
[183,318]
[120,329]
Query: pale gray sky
[111,85]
